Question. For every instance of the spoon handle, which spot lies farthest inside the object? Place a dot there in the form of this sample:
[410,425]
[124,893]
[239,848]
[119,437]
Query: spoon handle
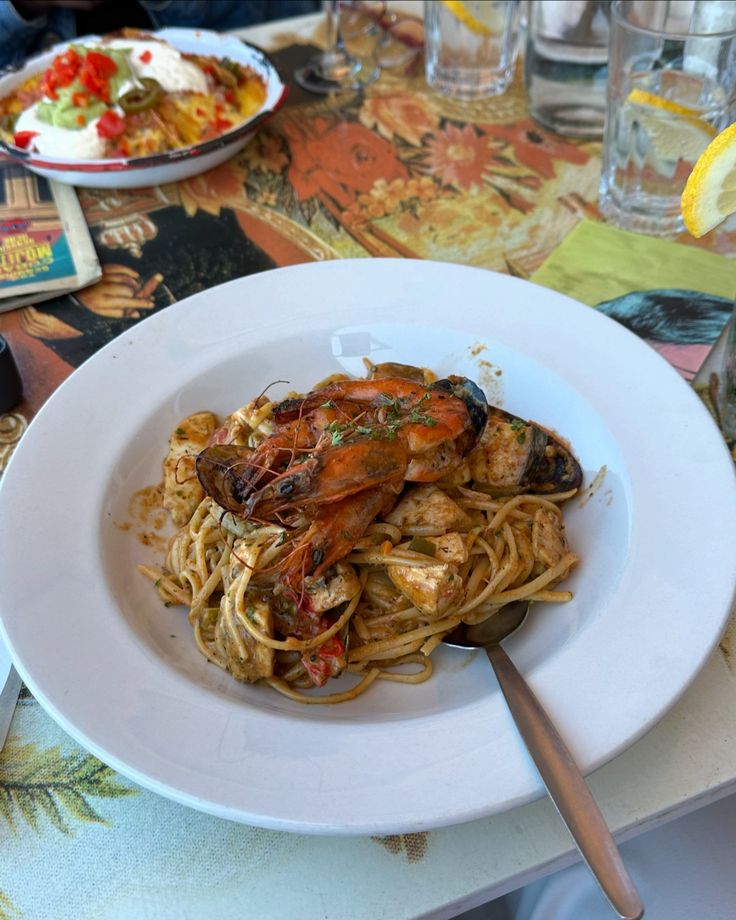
[567,788]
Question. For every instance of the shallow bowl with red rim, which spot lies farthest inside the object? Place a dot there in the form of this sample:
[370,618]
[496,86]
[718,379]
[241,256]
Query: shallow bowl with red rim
[171,165]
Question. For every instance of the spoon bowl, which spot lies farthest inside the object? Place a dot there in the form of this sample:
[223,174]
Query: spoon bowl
[560,774]
[491,631]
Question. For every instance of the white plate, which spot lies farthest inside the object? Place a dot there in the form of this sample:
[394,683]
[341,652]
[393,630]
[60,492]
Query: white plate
[121,673]
[159,168]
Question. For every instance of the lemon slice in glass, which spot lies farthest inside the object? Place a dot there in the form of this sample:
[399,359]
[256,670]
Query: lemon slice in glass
[471,14]
[710,192]
[683,136]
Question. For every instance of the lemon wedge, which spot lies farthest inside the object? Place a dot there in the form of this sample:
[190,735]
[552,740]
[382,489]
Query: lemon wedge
[682,137]
[710,192]
[643,97]
[462,11]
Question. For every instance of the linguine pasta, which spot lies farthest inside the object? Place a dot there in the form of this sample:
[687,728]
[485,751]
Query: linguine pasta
[447,552]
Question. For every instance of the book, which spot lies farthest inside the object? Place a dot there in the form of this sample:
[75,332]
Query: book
[46,248]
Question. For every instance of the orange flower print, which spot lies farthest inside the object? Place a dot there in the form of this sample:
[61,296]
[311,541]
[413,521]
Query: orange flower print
[401,115]
[458,156]
[266,153]
[388,197]
[222,187]
[536,148]
[339,159]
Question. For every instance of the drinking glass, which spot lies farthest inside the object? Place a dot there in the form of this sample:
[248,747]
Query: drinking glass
[671,89]
[394,37]
[566,65]
[470,48]
[335,69]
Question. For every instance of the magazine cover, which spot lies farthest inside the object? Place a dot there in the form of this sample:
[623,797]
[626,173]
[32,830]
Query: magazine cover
[45,245]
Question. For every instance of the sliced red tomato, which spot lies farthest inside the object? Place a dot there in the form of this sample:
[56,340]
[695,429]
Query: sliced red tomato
[325,662]
[23,138]
[104,65]
[145,56]
[111,125]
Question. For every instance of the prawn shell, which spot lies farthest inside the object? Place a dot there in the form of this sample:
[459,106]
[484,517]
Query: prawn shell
[222,471]
[331,475]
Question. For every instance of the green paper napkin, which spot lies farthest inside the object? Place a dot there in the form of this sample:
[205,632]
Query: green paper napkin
[676,297]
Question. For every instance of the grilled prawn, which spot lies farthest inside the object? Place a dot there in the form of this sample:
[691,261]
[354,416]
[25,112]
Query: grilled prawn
[371,431]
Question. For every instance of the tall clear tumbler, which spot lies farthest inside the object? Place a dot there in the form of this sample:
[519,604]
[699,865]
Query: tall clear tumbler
[566,65]
[671,89]
[470,49]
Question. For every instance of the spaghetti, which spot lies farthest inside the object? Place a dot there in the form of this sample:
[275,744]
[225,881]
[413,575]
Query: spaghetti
[439,554]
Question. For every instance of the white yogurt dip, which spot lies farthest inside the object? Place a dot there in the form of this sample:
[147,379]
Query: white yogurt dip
[63,143]
[166,65]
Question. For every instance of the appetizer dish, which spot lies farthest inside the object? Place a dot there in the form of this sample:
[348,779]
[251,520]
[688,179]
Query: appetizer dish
[129,94]
[348,530]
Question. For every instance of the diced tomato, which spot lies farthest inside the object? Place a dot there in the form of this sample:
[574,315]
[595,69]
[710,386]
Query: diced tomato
[120,151]
[96,85]
[49,84]
[103,64]
[230,96]
[327,661]
[63,71]
[81,120]
[222,124]
[23,138]
[80,100]
[110,125]
[145,56]
[70,58]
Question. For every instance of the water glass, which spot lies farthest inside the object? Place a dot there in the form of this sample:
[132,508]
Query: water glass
[671,89]
[565,65]
[470,47]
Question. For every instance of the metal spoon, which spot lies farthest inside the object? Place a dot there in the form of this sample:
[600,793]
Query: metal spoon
[561,776]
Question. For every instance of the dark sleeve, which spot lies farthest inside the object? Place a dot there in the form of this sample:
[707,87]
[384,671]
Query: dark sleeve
[224,14]
[18,36]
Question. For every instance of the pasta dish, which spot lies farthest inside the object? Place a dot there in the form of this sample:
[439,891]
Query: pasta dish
[129,94]
[349,529]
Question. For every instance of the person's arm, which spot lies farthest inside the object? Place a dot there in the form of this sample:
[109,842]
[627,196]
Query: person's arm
[26,25]
[20,27]
[222,15]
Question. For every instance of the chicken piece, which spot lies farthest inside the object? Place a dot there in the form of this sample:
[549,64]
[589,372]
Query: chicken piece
[549,544]
[460,476]
[407,371]
[182,491]
[506,454]
[427,510]
[235,429]
[247,660]
[337,585]
[450,547]
[514,456]
[433,589]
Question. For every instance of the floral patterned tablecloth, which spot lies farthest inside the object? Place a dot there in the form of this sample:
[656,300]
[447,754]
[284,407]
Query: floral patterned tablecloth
[395,172]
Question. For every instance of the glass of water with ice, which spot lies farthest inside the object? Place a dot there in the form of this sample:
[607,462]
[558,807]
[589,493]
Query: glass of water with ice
[470,46]
[671,89]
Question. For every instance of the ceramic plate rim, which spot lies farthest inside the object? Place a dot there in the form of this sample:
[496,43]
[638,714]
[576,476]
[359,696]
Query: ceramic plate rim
[417,800]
